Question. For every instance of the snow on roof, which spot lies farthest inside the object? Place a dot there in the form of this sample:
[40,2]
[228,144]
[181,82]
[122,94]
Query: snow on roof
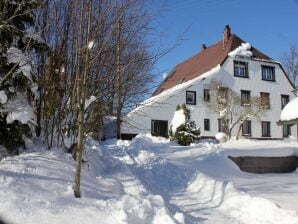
[242,50]
[172,91]
[290,111]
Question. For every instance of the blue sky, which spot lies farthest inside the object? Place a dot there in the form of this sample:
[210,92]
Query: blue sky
[269,25]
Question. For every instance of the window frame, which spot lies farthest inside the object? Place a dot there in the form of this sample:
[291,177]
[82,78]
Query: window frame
[156,124]
[266,94]
[206,95]
[286,130]
[268,123]
[249,128]
[206,125]
[241,63]
[242,100]
[273,73]
[282,96]
[194,95]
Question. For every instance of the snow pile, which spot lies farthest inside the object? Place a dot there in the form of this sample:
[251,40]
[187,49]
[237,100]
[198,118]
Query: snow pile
[144,157]
[221,137]
[163,183]
[148,140]
[18,109]
[235,204]
[37,188]
[290,112]
[178,119]
[243,50]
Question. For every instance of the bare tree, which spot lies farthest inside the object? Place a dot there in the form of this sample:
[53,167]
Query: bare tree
[233,110]
[290,62]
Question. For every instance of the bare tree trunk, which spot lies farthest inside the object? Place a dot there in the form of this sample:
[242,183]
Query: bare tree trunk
[238,132]
[118,71]
[82,90]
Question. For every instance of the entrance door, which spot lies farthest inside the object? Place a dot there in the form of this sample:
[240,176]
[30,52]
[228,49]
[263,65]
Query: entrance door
[159,128]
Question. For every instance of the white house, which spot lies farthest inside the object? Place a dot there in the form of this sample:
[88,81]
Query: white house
[238,66]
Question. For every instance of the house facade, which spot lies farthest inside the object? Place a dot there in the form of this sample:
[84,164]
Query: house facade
[237,66]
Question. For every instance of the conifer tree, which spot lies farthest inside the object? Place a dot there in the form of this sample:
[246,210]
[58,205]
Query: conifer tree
[18,44]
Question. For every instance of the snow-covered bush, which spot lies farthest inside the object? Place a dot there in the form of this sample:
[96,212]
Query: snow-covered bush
[182,128]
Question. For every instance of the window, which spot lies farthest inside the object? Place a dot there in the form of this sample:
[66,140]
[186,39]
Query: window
[268,73]
[246,128]
[206,95]
[266,129]
[159,128]
[191,97]
[241,69]
[286,131]
[207,124]
[284,100]
[265,99]
[222,125]
[222,95]
[245,98]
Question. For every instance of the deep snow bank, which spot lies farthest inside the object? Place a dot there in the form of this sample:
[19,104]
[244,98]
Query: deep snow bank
[196,180]
[242,207]
[37,188]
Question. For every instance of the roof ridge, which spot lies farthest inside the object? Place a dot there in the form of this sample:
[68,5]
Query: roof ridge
[205,60]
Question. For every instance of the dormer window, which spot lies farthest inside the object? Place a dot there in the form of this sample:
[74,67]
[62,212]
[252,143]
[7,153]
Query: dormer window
[268,73]
[241,69]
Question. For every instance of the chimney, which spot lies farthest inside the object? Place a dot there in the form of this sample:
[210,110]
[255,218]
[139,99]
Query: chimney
[203,47]
[226,36]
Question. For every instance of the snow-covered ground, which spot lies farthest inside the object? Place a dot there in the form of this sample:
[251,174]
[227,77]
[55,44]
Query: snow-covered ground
[149,180]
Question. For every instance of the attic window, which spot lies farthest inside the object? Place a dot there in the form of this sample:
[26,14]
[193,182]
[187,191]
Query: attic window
[191,97]
[241,69]
[268,73]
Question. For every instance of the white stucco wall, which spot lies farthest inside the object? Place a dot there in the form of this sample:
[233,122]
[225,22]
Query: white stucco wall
[139,121]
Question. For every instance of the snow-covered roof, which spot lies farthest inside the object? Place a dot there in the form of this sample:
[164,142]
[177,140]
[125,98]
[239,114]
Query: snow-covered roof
[172,91]
[243,50]
[290,112]
[208,58]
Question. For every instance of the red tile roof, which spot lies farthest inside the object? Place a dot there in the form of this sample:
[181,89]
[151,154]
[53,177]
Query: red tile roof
[204,61]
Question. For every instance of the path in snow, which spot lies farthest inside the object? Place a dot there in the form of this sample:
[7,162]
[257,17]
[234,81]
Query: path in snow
[200,182]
